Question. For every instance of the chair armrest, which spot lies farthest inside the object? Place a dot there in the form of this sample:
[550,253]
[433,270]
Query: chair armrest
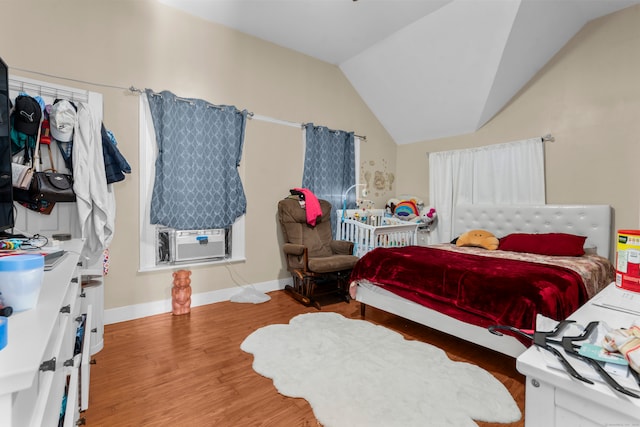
[293,249]
[297,258]
[342,247]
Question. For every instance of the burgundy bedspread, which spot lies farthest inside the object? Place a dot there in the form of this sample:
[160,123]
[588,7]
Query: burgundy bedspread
[475,289]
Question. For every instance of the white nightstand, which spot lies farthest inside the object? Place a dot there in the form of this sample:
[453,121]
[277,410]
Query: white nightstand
[553,398]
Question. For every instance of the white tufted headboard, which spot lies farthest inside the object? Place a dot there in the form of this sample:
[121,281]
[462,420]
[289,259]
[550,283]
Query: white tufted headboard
[593,221]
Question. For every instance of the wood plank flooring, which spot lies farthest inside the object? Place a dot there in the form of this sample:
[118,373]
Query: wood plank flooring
[189,370]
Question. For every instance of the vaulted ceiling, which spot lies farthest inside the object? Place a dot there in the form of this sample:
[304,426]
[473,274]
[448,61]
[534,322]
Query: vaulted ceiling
[426,68]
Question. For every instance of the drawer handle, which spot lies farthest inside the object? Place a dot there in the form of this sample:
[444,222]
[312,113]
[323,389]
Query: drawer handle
[66,309]
[94,330]
[48,365]
[78,319]
[82,295]
[68,363]
[74,280]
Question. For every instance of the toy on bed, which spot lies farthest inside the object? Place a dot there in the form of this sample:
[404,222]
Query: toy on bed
[479,239]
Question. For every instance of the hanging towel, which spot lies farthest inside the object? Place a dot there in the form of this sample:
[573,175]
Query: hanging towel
[312,205]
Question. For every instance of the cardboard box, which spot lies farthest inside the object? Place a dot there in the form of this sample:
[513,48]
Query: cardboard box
[628,260]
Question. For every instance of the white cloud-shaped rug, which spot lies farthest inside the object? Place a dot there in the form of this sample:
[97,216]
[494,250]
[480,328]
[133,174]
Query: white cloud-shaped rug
[354,373]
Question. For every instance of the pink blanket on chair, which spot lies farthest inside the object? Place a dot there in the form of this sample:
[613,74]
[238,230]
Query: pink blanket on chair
[312,206]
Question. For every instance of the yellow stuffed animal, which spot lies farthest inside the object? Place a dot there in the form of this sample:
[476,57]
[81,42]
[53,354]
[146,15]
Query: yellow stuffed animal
[478,238]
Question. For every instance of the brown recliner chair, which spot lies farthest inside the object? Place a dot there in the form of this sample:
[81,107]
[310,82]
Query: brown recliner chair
[318,263]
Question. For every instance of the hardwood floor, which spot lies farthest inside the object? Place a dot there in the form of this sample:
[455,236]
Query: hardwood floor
[189,370]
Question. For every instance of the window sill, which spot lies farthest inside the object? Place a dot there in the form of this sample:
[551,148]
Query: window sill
[192,264]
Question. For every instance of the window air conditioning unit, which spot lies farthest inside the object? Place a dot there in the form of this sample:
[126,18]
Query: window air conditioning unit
[180,246]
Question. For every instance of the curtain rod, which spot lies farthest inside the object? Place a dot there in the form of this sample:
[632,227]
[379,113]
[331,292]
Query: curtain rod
[188,100]
[250,114]
[364,138]
[132,88]
[546,138]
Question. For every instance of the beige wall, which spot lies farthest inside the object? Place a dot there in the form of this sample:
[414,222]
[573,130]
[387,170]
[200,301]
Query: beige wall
[148,45]
[588,97]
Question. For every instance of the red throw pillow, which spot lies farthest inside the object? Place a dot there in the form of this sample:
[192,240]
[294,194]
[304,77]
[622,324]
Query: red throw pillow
[557,244]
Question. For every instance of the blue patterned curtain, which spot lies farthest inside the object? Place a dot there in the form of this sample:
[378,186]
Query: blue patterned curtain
[197,185]
[329,166]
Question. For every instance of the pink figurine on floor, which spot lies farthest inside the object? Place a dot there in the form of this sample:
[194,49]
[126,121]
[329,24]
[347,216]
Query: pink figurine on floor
[181,292]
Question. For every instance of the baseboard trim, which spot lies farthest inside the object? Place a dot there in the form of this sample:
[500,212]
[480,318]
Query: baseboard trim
[137,311]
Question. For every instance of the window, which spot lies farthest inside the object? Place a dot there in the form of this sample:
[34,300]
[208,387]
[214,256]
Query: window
[148,231]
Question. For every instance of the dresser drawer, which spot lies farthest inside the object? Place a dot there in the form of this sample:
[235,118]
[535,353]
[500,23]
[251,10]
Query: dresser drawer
[48,390]
[85,364]
[51,380]
[573,406]
[77,389]
[70,413]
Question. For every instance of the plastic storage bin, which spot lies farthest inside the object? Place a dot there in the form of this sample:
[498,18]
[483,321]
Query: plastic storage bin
[21,279]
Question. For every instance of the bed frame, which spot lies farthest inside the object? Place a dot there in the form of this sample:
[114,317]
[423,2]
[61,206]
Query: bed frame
[593,221]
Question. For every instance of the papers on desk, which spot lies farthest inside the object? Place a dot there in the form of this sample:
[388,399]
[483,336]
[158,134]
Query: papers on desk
[620,300]
[619,373]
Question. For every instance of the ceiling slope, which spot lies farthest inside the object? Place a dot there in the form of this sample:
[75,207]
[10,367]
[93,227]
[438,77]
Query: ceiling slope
[330,30]
[431,78]
[426,68]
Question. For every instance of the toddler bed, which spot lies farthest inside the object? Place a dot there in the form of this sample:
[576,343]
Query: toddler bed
[490,287]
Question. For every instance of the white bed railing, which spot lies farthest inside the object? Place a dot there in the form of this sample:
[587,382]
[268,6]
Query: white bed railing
[372,229]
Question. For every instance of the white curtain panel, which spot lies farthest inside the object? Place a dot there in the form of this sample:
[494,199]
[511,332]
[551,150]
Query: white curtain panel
[510,173]
[148,155]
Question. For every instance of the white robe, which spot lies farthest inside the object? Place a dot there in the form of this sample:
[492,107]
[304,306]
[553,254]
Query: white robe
[95,198]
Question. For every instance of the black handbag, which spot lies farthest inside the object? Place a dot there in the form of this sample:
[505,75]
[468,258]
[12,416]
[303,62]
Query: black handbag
[47,187]
[52,187]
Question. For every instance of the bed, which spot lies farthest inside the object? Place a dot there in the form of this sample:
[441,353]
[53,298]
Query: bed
[455,314]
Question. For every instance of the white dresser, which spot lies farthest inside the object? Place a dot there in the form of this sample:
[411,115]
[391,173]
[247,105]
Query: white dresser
[553,398]
[42,365]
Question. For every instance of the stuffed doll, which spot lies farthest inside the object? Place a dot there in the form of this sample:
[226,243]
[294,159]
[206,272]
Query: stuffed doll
[427,218]
[389,208]
[478,238]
